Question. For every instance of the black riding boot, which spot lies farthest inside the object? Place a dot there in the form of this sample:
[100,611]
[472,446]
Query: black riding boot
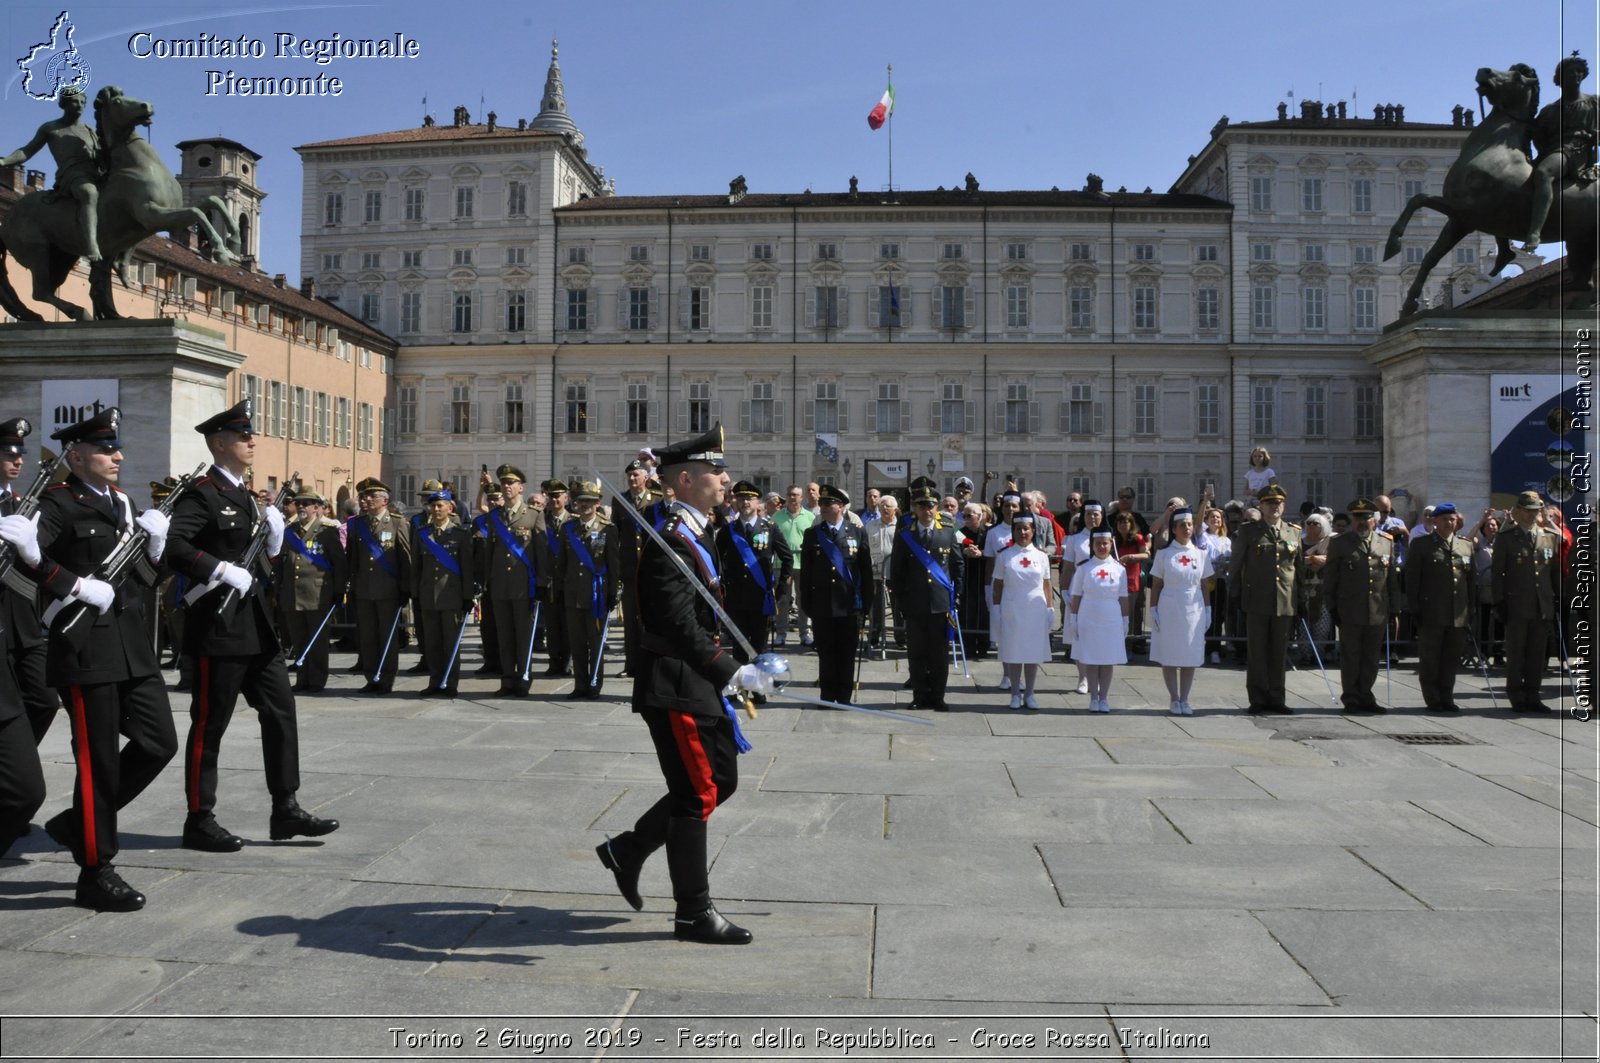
[697,918]
[624,855]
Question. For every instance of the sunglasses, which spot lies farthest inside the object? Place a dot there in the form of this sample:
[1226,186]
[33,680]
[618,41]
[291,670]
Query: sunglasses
[1125,498]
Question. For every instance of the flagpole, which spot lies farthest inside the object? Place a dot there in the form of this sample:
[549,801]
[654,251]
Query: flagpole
[890,122]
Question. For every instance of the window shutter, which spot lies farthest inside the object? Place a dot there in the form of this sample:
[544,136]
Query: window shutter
[905,415]
[652,414]
[680,416]
[716,410]
[477,416]
[811,307]
[808,416]
[683,307]
[777,416]
[936,416]
[872,415]
[1064,416]
[744,416]
[844,306]
[844,416]
[874,316]
[617,425]
[966,307]
[1033,417]
[937,306]
[655,306]
[500,418]
[597,411]
[1099,417]
[998,425]
[622,308]
[444,421]
[972,415]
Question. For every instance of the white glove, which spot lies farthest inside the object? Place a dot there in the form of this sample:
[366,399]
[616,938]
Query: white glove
[1124,627]
[752,680]
[234,576]
[1207,626]
[1072,629]
[155,523]
[97,593]
[23,533]
[274,531]
[1155,618]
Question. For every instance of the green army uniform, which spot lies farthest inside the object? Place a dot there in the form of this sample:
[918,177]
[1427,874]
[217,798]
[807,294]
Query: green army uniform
[1526,576]
[511,583]
[1440,592]
[1267,561]
[1361,586]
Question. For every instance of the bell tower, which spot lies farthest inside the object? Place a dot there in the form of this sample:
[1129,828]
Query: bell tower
[226,169]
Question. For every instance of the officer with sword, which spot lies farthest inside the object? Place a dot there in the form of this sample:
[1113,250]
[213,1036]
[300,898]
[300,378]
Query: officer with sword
[443,586]
[586,570]
[311,579]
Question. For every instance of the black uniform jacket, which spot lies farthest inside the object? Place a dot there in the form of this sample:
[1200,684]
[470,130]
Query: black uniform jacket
[823,592]
[772,553]
[915,589]
[77,531]
[683,664]
[213,522]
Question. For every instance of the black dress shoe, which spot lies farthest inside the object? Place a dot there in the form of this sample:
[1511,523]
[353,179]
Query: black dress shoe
[709,928]
[417,669]
[355,669]
[290,820]
[1533,706]
[369,688]
[592,694]
[940,706]
[627,877]
[103,890]
[486,669]
[555,671]
[202,831]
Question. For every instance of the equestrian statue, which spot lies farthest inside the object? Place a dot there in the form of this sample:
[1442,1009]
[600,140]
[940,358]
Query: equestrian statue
[1496,185]
[112,190]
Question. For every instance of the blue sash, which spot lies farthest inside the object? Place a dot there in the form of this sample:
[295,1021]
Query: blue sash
[836,556]
[597,573]
[936,570]
[708,564]
[753,563]
[515,549]
[298,545]
[364,529]
[440,554]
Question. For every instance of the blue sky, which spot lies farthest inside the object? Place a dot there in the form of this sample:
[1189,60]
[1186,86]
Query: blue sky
[680,98]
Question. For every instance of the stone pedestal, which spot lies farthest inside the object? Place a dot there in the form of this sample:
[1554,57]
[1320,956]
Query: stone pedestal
[1436,396]
[171,376]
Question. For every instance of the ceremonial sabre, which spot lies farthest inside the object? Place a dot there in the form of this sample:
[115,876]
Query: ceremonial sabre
[383,660]
[1483,662]
[455,653]
[1313,644]
[533,634]
[599,654]
[318,635]
[770,663]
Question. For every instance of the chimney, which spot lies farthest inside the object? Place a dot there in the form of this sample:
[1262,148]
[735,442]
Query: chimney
[522,124]
[492,117]
[278,280]
[11,179]
[308,287]
[36,180]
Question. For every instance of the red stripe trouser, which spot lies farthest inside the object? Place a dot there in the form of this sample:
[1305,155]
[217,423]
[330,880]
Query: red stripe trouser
[108,777]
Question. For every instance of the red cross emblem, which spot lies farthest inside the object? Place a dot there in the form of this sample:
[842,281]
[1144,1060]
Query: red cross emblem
[1185,560]
[1105,575]
[1027,562]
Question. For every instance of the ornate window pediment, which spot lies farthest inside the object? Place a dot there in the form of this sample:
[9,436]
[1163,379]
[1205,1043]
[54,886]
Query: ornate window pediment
[1016,271]
[374,176]
[1314,271]
[370,278]
[889,273]
[826,273]
[1210,271]
[415,173]
[335,177]
[761,273]
[516,273]
[1362,166]
[637,275]
[577,278]
[1259,163]
[1081,273]
[1413,166]
[1314,164]
[700,275]
[1262,271]
[519,169]
[462,273]
[1366,273]
[465,169]
[953,274]
[1145,271]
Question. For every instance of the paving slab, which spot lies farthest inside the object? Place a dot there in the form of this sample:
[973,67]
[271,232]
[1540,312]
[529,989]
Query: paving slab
[1571,794]
[1423,963]
[884,871]
[814,775]
[1525,879]
[1212,821]
[1192,956]
[1509,819]
[423,761]
[1083,724]
[1360,783]
[1132,821]
[1196,752]
[1065,752]
[1370,751]
[775,813]
[1037,780]
[1213,876]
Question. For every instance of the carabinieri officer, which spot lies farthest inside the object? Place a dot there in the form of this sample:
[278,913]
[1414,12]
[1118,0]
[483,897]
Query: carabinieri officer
[835,591]
[756,566]
[925,569]
[684,673]
[236,652]
[106,667]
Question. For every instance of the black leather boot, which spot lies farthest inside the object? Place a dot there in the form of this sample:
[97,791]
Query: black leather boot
[697,918]
[290,820]
[624,870]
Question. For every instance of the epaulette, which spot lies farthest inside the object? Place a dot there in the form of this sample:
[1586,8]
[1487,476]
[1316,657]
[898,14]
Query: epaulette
[1386,535]
[1296,527]
[57,487]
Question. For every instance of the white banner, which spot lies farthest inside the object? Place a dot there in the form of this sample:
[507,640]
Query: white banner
[66,402]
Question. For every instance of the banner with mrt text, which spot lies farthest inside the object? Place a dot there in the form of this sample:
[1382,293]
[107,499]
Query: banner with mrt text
[1537,439]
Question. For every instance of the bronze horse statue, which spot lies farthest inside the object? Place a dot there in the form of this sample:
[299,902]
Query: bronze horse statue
[1488,189]
[138,198]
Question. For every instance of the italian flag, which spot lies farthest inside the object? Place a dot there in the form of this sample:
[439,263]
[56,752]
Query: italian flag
[885,107]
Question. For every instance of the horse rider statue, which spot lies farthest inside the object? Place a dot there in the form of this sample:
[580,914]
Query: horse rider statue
[80,164]
[1564,134]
